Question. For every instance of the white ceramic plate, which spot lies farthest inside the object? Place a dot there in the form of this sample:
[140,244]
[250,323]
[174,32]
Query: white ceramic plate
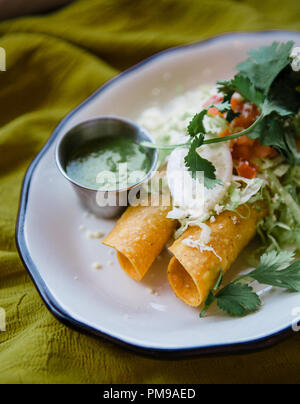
[106,302]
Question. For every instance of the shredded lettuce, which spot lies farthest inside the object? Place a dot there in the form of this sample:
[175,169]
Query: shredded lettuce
[214,124]
[237,195]
[281,228]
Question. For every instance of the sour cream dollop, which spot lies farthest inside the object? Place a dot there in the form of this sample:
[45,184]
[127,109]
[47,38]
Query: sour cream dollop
[189,196]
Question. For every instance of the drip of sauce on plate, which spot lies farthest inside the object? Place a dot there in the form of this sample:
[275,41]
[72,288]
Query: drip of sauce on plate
[111,163]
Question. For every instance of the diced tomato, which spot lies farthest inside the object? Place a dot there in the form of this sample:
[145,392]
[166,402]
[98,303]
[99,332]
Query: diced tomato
[261,152]
[248,113]
[240,152]
[237,103]
[213,111]
[244,150]
[247,170]
[225,132]
[244,141]
[247,119]
[215,99]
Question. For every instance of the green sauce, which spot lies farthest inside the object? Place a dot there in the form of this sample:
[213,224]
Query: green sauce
[90,165]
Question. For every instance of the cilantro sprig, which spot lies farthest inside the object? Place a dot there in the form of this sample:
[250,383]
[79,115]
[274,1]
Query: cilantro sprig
[265,63]
[238,297]
[265,79]
[196,164]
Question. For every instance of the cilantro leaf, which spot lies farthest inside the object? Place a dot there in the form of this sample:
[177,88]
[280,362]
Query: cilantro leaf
[256,79]
[196,164]
[269,271]
[271,131]
[277,260]
[243,86]
[265,64]
[285,90]
[196,125]
[231,115]
[223,106]
[238,299]
[257,73]
[225,87]
[192,161]
[270,106]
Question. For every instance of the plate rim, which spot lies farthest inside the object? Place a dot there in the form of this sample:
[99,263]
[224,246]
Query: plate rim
[67,319]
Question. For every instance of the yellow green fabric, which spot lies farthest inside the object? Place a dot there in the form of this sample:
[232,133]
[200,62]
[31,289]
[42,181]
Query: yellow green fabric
[54,62]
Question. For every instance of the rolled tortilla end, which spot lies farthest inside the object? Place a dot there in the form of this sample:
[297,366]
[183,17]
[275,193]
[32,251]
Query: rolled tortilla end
[183,284]
[139,237]
[193,271]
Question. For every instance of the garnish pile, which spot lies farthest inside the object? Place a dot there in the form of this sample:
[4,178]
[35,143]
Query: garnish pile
[268,81]
[268,84]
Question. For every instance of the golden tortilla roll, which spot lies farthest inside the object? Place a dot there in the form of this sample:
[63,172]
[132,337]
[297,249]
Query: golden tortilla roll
[139,237]
[192,273]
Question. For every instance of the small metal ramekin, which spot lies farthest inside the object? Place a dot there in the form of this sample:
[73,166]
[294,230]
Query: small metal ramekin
[95,129]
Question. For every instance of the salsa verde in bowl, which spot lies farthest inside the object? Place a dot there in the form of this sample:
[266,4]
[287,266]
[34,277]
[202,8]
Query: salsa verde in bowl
[103,159]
